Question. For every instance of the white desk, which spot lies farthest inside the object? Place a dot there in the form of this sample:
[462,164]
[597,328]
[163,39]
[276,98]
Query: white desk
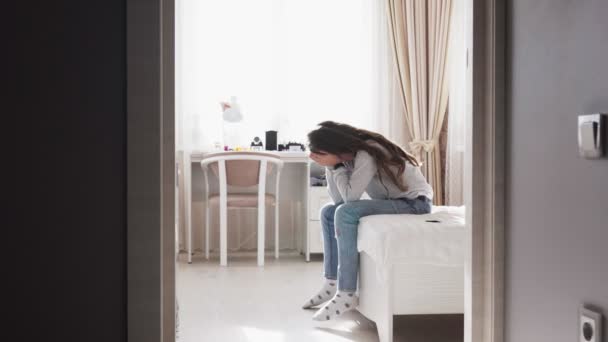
[287,157]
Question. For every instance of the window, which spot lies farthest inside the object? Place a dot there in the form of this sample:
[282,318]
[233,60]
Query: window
[290,63]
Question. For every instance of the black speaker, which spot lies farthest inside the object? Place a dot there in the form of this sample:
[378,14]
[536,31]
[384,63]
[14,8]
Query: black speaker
[271,140]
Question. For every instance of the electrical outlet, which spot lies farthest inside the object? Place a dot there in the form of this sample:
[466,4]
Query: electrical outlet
[590,325]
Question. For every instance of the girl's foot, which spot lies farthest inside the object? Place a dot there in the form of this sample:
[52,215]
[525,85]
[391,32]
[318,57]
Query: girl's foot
[342,302]
[327,292]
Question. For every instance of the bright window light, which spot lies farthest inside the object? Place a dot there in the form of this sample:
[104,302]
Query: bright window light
[290,63]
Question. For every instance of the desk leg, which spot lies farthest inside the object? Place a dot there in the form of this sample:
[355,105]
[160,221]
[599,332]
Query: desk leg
[188,202]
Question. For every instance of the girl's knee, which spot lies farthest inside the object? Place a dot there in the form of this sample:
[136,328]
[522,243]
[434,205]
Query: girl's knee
[347,213]
[328,212]
[423,207]
[427,209]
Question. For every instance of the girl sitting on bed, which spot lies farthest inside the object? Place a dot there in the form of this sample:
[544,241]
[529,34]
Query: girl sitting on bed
[358,161]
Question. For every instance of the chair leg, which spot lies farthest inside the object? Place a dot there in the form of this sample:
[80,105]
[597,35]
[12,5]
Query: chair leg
[276,230]
[189,227]
[261,212]
[207,214]
[224,235]
[261,233]
[223,215]
[207,219]
[276,213]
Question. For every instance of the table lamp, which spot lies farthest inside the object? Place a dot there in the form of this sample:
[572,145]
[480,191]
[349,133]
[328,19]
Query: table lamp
[231,114]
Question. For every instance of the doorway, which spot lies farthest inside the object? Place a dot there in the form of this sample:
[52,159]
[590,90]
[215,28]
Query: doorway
[151,191]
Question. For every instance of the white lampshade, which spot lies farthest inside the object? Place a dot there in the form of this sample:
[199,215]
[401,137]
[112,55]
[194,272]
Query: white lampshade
[231,125]
[233,113]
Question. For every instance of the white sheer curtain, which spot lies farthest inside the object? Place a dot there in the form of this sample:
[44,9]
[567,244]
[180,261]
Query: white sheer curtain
[457,107]
[389,111]
[290,63]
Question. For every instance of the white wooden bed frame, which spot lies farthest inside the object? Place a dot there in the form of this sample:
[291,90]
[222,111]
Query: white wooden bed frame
[409,289]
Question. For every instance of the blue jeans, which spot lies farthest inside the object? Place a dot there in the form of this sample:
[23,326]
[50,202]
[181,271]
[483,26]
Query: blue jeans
[340,225]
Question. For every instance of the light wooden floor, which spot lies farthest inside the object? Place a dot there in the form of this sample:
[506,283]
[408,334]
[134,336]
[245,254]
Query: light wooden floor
[244,302]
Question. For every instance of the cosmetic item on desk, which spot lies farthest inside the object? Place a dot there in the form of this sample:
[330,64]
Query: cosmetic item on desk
[256,144]
[295,147]
[271,140]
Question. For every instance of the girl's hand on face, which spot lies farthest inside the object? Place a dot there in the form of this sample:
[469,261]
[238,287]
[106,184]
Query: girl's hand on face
[325,159]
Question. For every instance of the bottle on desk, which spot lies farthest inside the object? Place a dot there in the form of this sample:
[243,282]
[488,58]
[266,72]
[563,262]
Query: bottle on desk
[271,140]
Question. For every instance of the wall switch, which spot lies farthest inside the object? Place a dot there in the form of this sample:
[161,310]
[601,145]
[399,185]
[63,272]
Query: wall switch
[590,325]
[592,135]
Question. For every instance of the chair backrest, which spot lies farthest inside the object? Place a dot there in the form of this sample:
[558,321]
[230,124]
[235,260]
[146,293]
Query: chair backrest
[242,168]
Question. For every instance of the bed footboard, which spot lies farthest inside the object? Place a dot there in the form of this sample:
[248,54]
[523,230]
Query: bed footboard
[407,289]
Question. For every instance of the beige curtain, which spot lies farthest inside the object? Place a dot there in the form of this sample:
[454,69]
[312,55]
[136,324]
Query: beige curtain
[418,31]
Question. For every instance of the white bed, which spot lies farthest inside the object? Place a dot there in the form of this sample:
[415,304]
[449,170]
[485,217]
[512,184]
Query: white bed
[409,266]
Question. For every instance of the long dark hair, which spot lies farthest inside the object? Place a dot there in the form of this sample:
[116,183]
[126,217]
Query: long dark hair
[338,138]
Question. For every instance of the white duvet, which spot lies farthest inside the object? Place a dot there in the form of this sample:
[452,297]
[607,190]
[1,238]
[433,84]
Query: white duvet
[412,239]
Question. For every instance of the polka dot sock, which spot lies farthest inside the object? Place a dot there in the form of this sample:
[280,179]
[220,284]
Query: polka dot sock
[339,304]
[329,290]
